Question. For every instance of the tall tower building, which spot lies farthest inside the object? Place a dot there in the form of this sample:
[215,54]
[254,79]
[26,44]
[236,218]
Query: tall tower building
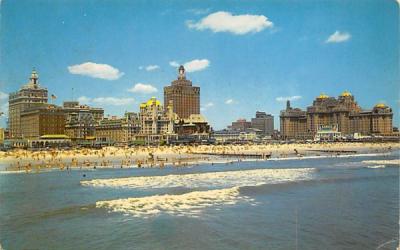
[185,97]
[29,95]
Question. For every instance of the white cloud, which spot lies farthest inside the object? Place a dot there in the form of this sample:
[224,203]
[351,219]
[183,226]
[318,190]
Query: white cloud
[230,101]
[174,64]
[199,11]
[222,21]
[338,37]
[192,66]
[143,88]
[3,96]
[152,67]
[288,98]
[196,65]
[207,106]
[84,100]
[149,67]
[113,101]
[96,70]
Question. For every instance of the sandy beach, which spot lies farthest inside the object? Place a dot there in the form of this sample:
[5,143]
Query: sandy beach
[114,157]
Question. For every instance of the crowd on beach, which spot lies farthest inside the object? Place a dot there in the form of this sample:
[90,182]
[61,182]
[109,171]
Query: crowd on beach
[159,156]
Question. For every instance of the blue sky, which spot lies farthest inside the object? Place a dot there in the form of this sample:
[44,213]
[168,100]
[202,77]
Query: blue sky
[244,55]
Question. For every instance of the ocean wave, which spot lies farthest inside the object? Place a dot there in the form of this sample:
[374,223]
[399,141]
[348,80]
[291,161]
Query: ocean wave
[13,172]
[37,171]
[189,204]
[385,162]
[377,166]
[225,179]
[327,156]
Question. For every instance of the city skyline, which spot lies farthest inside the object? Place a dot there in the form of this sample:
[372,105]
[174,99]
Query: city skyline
[270,57]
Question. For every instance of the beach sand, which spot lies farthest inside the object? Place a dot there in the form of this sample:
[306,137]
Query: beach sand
[119,157]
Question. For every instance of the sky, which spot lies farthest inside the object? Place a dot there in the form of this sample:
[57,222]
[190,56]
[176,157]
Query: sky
[246,56]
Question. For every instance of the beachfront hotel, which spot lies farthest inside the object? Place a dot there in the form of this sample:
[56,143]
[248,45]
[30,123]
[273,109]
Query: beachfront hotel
[43,120]
[263,123]
[33,121]
[342,114]
[118,131]
[185,97]
[81,120]
[156,124]
[28,96]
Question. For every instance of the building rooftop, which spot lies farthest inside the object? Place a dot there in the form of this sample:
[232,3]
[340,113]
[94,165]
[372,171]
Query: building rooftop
[346,93]
[323,96]
[150,102]
[380,105]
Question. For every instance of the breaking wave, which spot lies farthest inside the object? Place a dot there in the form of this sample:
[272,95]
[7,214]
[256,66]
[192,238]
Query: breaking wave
[386,162]
[377,166]
[226,179]
[330,156]
[189,204]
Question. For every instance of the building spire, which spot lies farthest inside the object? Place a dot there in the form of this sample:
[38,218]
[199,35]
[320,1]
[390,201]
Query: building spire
[181,72]
[34,79]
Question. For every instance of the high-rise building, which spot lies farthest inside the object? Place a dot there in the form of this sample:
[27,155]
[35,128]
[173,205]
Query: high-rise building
[29,95]
[293,123]
[263,122]
[185,97]
[342,113]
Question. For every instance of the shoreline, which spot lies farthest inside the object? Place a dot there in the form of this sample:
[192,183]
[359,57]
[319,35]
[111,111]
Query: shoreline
[178,156]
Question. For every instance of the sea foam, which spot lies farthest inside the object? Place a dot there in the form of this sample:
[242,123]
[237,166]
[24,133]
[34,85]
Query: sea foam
[189,204]
[385,162]
[225,190]
[331,156]
[225,179]
[377,166]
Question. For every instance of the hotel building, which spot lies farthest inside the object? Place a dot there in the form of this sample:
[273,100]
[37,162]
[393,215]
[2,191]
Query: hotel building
[30,95]
[240,124]
[195,126]
[264,122]
[45,120]
[120,131]
[185,97]
[81,120]
[342,113]
[155,122]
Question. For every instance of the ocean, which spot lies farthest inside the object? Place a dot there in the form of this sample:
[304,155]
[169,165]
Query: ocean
[311,203]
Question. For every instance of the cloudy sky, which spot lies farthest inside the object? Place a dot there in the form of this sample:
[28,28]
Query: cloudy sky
[245,56]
